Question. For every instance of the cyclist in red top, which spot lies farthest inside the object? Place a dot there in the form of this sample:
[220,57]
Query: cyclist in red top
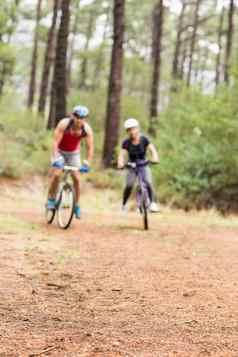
[66,150]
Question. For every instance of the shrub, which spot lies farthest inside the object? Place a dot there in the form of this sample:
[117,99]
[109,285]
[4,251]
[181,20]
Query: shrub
[25,144]
[198,139]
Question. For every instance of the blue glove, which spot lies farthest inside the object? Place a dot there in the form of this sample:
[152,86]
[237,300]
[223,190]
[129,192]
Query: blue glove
[84,169]
[58,163]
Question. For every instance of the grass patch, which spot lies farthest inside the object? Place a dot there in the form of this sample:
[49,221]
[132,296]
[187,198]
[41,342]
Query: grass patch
[14,225]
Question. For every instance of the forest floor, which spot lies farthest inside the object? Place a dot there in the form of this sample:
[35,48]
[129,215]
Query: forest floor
[106,288]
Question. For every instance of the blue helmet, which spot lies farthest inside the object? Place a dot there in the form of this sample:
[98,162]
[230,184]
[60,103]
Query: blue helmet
[80,111]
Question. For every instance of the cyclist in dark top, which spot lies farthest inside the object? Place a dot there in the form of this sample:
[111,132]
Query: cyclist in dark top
[135,148]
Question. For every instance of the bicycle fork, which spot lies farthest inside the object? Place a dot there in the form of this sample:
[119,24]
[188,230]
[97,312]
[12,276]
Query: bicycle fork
[142,195]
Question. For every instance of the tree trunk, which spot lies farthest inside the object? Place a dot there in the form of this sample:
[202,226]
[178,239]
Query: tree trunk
[71,50]
[115,84]
[84,65]
[203,65]
[59,84]
[197,66]
[32,86]
[2,78]
[183,61]
[177,50]
[48,61]
[229,40]
[193,41]
[158,15]
[219,42]
[100,58]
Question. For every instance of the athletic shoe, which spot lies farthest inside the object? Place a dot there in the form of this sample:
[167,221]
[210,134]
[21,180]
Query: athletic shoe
[124,209]
[154,207]
[51,204]
[77,212]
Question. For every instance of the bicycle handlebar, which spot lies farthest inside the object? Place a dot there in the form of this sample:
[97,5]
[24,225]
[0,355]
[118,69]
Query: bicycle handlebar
[133,165]
[70,168]
[73,168]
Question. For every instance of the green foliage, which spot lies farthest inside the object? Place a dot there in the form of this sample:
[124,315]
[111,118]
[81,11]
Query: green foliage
[137,76]
[43,33]
[198,139]
[24,144]
[7,58]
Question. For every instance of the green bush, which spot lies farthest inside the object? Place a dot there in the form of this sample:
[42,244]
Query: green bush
[198,140]
[25,144]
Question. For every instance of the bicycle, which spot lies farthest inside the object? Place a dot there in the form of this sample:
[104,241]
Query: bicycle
[65,200]
[142,191]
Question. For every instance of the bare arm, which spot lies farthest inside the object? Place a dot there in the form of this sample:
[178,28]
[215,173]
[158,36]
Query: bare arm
[90,144]
[121,159]
[154,153]
[58,135]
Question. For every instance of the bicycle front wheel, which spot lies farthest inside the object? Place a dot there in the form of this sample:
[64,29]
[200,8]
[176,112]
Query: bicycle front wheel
[142,202]
[50,215]
[66,206]
[145,216]
[145,207]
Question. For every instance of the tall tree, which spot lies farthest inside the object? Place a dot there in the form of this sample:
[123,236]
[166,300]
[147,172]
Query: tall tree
[84,64]
[219,43]
[48,60]
[72,43]
[183,60]
[203,66]
[175,69]
[9,15]
[59,85]
[100,57]
[229,40]
[115,84]
[193,40]
[158,15]
[32,85]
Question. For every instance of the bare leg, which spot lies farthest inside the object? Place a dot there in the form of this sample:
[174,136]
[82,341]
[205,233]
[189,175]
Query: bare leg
[130,181]
[54,183]
[76,180]
[149,181]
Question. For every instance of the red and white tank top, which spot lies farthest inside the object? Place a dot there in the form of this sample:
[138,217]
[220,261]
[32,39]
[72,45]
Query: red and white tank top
[71,141]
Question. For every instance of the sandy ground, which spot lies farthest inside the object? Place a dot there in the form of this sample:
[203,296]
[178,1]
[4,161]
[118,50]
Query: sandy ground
[106,288]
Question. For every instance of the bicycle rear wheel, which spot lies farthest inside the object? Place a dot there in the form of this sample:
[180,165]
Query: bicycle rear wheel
[66,206]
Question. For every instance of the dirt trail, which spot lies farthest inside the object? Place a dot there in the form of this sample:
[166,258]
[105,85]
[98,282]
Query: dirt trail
[105,288]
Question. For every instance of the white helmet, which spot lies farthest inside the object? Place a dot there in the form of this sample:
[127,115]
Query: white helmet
[131,123]
[81,112]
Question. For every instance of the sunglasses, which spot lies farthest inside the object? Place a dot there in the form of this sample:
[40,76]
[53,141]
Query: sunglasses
[78,117]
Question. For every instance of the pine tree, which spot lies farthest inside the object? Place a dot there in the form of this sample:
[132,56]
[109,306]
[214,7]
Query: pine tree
[115,85]
[59,84]
[229,40]
[49,58]
[32,85]
[158,15]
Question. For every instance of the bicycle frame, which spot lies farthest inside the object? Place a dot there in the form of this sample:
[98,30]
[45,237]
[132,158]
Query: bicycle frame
[67,171]
[142,194]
